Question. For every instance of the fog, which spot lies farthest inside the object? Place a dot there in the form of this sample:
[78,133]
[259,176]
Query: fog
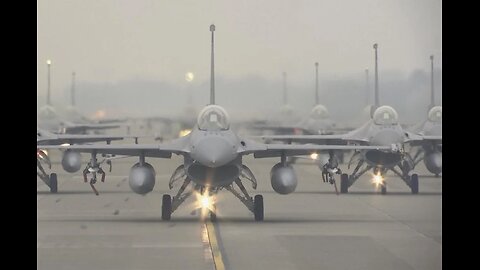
[255,97]
[131,57]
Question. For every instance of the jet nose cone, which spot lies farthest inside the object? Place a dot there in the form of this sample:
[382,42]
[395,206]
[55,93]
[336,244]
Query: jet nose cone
[214,152]
[386,138]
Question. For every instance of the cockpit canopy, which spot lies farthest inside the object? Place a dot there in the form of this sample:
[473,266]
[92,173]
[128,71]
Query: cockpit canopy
[213,117]
[319,112]
[47,112]
[286,110]
[385,115]
[435,114]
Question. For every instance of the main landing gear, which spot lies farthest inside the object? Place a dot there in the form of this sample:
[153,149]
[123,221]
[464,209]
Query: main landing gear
[93,167]
[169,205]
[403,170]
[49,180]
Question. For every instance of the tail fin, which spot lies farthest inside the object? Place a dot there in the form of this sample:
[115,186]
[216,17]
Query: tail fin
[367,88]
[316,84]
[432,92]
[377,98]
[212,71]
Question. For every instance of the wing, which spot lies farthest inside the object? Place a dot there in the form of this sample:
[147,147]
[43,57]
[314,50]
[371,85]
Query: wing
[282,129]
[178,146]
[82,128]
[76,139]
[340,139]
[415,140]
[111,121]
[261,150]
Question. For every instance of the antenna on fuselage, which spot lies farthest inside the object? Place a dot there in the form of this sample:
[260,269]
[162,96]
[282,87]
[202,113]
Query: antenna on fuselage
[432,92]
[377,99]
[212,71]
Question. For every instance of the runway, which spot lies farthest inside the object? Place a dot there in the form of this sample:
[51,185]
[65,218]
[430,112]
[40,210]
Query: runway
[312,228]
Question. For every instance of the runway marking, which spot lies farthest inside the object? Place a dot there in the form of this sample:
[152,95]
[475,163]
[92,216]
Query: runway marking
[214,247]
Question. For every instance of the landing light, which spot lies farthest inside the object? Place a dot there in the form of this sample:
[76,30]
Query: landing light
[65,144]
[314,156]
[205,201]
[184,132]
[377,179]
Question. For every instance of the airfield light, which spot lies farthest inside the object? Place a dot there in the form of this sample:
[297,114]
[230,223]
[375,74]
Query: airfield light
[65,144]
[189,76]
[49,62]
[314,156]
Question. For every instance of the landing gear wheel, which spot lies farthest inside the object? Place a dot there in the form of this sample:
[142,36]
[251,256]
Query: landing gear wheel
[414,183]
[53,183]
[258,207]
[344,183]
[384,188]
[166,207]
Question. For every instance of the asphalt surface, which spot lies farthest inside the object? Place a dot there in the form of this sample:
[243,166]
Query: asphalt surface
[312,228]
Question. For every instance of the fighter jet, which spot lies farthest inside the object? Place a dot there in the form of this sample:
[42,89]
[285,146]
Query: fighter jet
[49,119]
[282,122]
[317,122]
[176,125]
[212,161]
[71,161]
[382,129]
[430,154]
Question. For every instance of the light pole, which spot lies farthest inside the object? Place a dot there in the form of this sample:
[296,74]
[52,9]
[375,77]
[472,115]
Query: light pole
[49,62]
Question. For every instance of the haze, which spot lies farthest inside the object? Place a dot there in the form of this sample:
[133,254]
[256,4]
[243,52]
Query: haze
[132,56]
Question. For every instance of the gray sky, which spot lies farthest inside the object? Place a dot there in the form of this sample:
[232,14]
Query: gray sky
[110,41]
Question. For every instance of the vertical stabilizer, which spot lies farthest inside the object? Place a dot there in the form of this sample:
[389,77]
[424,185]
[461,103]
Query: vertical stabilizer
[212,71]
[432,92]
[377,98]
[316,84]
[367,88]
